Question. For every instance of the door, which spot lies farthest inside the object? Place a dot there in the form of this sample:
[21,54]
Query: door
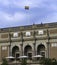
[30,56]
[17,55]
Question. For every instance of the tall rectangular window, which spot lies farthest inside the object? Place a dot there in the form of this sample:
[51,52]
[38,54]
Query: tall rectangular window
[28,33]
[40,32]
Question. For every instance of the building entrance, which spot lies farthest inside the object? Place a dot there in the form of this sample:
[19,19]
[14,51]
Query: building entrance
[15,51]
[30,56]
[28,51]
[41,50]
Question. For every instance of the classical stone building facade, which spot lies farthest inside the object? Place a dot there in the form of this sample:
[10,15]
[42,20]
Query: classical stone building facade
[29,40]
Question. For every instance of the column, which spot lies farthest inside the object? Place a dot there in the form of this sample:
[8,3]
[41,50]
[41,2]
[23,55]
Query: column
[9,44]
[21,43]
[34,48]
[34,43]
[0,53]
[21,49]
[48,45]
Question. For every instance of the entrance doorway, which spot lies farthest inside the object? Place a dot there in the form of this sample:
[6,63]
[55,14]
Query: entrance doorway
[15,51]
[41,50]
[28,51]
[30,56]
[17,55]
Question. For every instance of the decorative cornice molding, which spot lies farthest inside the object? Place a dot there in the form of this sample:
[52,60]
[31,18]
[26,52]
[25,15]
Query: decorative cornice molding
[29,27]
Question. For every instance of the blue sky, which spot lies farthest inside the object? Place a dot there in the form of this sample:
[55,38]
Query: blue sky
[12,12]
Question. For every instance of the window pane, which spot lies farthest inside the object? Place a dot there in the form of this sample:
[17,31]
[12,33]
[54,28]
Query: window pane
[4,36]
[28,34]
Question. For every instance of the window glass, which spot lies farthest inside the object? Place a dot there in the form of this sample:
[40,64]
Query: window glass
[4,35]
[40,32]
[15,34]
[54,44]
[4,48]
[28,34]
